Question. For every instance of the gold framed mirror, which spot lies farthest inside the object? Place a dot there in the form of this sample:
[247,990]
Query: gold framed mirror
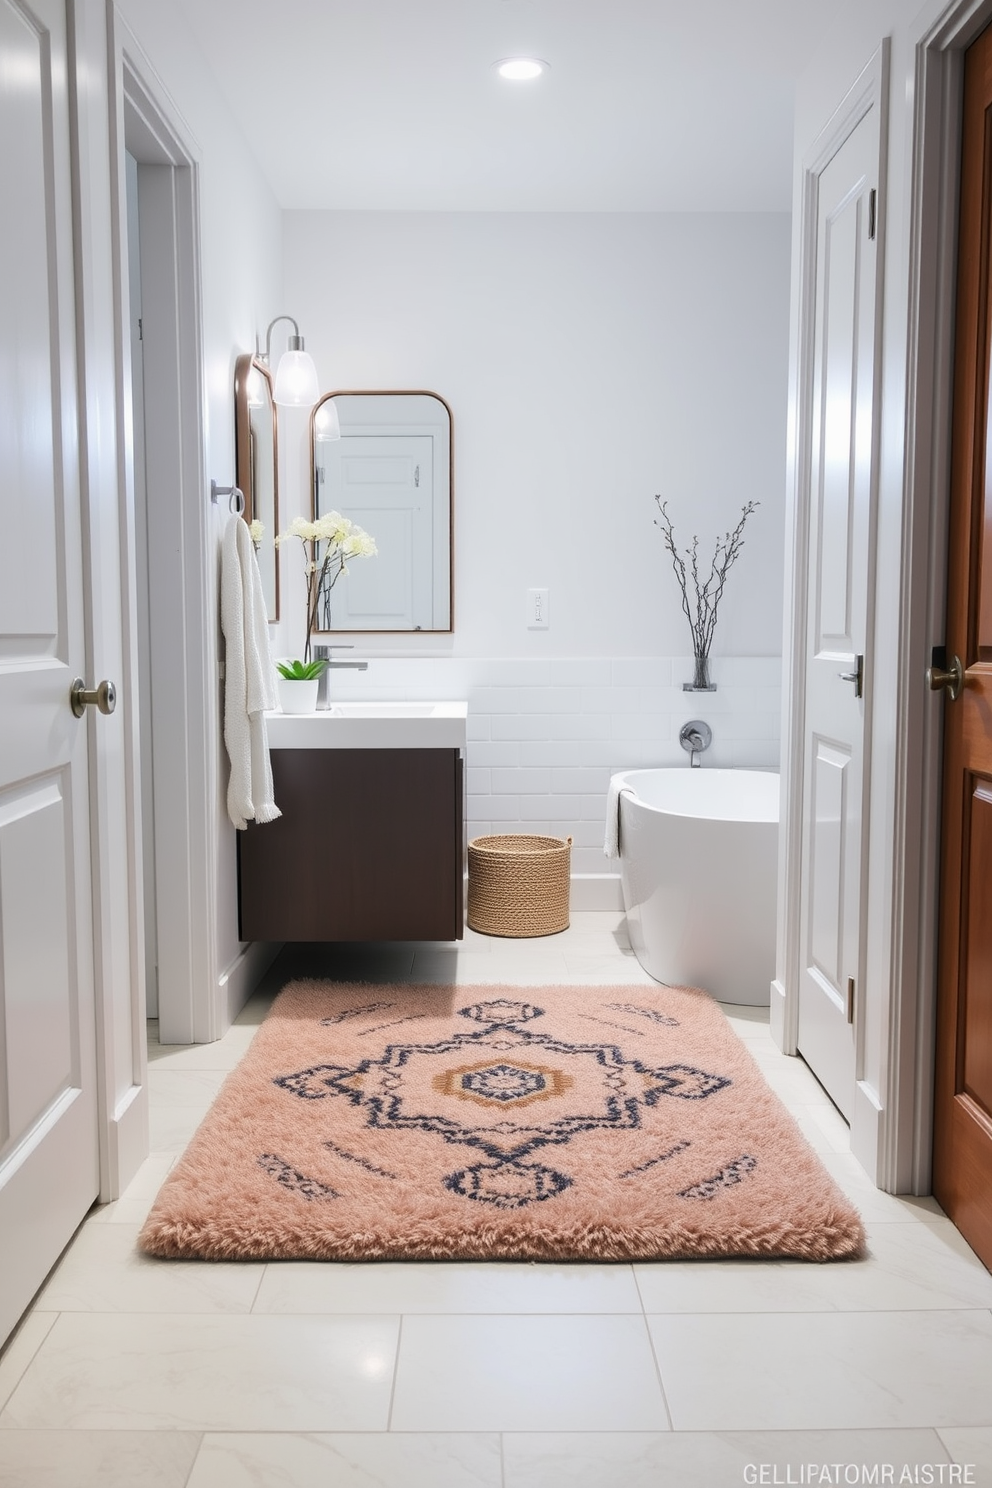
[390,471]
[257,465]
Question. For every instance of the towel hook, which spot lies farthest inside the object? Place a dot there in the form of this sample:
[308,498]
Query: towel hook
[235,495]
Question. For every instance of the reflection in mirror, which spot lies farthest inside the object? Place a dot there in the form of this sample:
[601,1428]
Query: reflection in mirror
[390,472]
[257,465]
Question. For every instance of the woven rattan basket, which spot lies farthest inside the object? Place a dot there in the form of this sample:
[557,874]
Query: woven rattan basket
[518,885]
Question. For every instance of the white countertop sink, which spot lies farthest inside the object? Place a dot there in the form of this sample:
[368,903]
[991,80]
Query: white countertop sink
[378,725]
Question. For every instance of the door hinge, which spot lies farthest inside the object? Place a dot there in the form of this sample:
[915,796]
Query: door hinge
[872,212]
[850,999]
[141,334]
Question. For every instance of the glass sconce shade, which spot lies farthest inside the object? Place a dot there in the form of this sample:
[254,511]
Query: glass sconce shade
[326,424]
[296,380]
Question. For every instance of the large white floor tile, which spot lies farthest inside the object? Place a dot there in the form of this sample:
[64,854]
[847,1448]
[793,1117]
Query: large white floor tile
[822,1142]
[179,1100]
[909,1266]
[256,1009]
[170,1128]
[497,969]
[875,1206]
[825,1116]
[791,1079]
[222,1054]
[177,1088]
[596,942]
[605,966]
[688,1459]
[145,1372]
[446,1287]
[21,1349]
[387,1460]
[971,1446]
[97,1459]
[103,1271]
[137,1199]
[809,1371]
[748,1021]
[524,1373]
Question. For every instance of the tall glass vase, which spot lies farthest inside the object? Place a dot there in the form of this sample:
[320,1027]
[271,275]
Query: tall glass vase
[700,676]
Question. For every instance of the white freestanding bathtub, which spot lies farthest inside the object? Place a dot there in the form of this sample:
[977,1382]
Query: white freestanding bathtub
[698,864]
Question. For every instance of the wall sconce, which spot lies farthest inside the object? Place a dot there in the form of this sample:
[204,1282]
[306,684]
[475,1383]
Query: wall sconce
[296,382]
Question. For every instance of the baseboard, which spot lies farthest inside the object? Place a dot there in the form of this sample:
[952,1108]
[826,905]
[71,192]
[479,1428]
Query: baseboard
[240,979]
[128,1143]
[776,1016]
[592,891]
[866,1133]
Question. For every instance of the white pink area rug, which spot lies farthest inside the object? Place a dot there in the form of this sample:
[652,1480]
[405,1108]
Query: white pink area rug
[549,1123]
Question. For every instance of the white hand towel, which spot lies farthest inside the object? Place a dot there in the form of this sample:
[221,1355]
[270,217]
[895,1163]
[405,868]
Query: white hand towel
[249,679]
[611,842]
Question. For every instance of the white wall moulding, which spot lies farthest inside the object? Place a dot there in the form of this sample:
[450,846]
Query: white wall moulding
[595,891]
[238,981]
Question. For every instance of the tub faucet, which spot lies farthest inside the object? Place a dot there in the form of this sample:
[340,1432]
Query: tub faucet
[695,737]
[323,653]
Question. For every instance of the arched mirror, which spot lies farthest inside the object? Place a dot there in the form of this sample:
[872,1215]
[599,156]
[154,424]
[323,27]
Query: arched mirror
[257,465]
[391,473]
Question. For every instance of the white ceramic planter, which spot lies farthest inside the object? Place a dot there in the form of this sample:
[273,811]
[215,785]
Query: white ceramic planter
[297,697]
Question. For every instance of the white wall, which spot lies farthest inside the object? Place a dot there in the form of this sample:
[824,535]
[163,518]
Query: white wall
[241,274]
[590,361]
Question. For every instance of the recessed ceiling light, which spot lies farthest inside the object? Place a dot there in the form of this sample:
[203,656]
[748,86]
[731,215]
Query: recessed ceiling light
[521,69]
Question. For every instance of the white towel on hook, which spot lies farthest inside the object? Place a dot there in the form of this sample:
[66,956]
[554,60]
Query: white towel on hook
[611,842]
[249,679]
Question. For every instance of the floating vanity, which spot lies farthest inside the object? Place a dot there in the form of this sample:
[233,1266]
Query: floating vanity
[370,844]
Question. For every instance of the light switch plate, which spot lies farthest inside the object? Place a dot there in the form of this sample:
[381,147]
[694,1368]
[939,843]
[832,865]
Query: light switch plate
[537,609]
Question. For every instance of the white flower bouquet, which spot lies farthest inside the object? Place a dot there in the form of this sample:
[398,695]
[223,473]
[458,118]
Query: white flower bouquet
[328,544]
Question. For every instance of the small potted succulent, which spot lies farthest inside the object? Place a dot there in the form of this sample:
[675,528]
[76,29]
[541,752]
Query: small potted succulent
[328,543]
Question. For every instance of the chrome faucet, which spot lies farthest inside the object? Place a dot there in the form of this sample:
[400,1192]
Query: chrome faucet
[323,653]
[695,737]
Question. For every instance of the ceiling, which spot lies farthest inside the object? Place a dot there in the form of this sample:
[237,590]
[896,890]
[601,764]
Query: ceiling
[650,105]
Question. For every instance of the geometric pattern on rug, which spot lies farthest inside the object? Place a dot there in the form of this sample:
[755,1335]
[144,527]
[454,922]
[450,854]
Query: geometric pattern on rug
[538,1123]
[394,1091]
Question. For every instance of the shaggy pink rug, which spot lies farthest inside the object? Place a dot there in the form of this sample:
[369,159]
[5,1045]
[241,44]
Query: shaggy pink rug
[549,1123]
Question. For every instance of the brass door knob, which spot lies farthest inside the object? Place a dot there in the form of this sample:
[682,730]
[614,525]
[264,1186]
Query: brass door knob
[949,678]
[102,697]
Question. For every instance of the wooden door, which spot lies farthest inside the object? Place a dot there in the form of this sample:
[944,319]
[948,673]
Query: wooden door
[838,672]
[963,1094]
[48,1124]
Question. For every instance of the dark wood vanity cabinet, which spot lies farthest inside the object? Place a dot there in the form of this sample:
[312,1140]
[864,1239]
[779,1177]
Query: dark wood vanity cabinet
[368,847]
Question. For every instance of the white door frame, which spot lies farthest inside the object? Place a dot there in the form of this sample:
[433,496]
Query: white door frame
[869,91]
[183,626]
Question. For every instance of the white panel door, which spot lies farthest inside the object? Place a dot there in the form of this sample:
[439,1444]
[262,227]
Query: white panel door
[385,483]
[841,481]
[48,1125]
